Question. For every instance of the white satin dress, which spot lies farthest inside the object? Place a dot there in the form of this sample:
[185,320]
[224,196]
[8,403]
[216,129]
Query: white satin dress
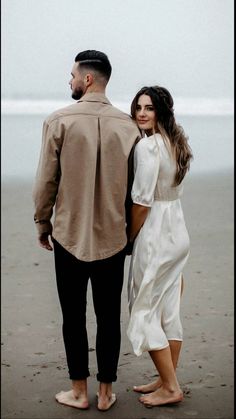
[160,250]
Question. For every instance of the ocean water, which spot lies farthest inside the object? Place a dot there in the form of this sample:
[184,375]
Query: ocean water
[211,137]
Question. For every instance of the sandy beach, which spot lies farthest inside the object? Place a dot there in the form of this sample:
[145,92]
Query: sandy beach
[33,359]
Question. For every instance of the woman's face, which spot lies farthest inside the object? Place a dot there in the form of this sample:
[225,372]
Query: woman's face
[145,115]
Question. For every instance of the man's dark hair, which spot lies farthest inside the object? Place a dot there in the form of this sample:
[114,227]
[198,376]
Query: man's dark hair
[95,60]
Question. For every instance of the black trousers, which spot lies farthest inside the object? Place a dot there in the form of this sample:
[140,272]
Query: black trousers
[106,280]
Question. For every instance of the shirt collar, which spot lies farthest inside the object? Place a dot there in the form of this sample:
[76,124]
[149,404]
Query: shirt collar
[94,97]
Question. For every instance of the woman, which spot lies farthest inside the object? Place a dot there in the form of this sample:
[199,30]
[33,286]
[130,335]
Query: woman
[161,241]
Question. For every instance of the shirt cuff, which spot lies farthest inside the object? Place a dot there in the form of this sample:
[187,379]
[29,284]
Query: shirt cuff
[43,226]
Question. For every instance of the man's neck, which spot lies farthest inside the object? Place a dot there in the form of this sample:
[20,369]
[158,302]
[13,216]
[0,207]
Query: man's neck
[95,89]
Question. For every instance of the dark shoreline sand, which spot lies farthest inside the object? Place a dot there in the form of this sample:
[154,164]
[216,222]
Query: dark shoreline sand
[33,359]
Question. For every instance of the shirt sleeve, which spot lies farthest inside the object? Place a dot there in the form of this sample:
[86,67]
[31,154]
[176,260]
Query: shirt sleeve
[47,176]
[146,169]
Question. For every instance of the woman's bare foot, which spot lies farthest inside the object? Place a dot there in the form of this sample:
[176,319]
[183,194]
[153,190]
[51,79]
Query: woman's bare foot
[148,388]
[68,398]
[162,396]
[106,398]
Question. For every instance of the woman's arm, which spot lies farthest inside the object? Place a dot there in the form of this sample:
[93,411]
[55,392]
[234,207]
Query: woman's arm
[138,216]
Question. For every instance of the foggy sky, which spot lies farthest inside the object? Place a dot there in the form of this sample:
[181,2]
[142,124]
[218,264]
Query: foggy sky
[184,45]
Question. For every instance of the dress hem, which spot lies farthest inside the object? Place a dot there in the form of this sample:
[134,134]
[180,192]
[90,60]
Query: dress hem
[150,350]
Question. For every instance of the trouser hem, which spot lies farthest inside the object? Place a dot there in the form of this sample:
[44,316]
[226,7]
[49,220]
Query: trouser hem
[79,377]
[106,379]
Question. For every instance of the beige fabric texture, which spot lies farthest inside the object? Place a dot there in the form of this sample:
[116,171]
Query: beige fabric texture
[83,171]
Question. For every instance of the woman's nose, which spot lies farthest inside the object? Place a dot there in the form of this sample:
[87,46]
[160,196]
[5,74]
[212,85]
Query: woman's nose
[142,111]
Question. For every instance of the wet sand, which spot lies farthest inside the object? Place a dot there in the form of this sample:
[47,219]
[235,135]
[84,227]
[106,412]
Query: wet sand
[33,359]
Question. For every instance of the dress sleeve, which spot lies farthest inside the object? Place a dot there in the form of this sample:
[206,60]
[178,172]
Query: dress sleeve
[146,169]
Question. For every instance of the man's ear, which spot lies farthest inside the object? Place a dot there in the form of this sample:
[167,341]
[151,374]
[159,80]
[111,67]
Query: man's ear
[88,79]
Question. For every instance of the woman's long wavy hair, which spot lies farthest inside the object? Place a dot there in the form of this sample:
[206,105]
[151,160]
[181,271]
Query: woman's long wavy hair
[165,124]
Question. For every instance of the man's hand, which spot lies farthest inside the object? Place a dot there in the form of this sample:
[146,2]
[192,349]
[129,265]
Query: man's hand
[44,241]
[129,248]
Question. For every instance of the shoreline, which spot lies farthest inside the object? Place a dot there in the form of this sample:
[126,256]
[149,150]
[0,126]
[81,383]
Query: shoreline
[227,171]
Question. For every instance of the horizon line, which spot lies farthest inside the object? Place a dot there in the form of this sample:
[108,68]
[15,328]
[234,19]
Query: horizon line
[182,106]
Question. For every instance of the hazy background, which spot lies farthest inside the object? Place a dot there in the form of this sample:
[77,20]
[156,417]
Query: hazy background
[185,45]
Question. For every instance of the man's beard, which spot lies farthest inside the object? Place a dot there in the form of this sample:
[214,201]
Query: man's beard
[77,94]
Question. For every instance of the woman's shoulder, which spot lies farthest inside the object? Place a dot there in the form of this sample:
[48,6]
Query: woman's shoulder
[149,144]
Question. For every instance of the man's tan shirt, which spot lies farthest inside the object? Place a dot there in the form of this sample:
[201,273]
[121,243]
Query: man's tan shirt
[83,171]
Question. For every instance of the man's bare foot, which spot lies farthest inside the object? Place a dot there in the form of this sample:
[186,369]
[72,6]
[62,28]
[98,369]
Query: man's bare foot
[106,398]
[105,402]
[68,398]
[148,388]
[162,396]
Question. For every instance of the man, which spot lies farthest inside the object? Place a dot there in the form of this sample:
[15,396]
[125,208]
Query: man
[83,171]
